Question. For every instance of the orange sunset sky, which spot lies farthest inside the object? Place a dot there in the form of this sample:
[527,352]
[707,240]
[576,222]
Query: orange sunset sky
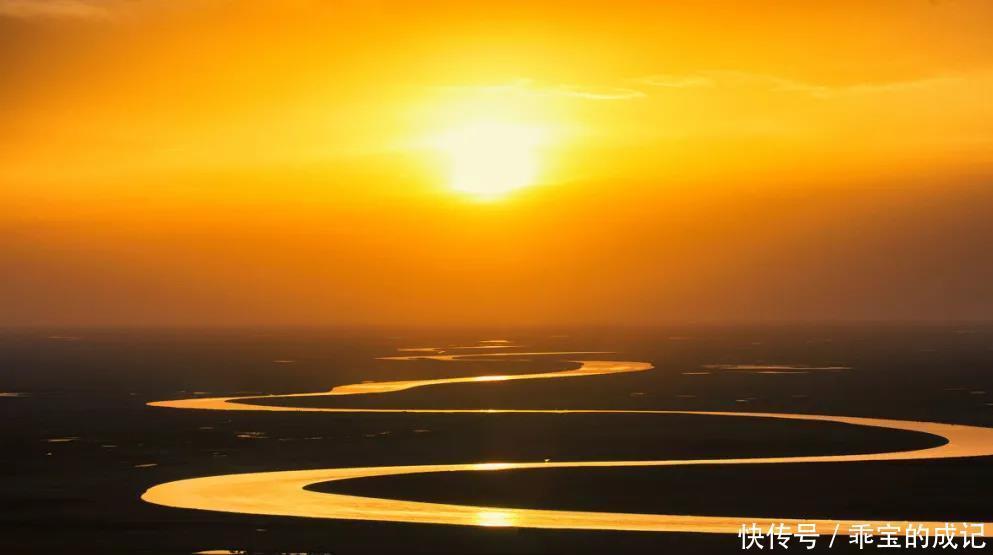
[208,162]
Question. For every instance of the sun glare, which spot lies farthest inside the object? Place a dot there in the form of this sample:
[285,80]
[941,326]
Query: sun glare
[490,159]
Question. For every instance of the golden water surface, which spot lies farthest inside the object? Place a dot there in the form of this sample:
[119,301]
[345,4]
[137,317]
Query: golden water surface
[283,493]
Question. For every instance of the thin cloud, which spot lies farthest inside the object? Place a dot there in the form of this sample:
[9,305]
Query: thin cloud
[671,81]
[527,87]
[595,93]
[643,87]
[54,9]
[825,91]
[776,83]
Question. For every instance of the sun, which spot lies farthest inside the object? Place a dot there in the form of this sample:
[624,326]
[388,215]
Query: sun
[489,159]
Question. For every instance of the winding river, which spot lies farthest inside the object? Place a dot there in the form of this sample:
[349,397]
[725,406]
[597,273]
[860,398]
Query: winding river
[284,493]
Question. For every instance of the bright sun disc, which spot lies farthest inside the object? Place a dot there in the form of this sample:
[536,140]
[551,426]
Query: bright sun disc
[490,159]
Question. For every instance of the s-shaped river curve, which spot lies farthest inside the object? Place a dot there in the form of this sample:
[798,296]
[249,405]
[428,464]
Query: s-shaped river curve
[284,494]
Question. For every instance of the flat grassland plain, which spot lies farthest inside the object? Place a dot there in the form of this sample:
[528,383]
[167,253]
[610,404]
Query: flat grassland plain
[79,444]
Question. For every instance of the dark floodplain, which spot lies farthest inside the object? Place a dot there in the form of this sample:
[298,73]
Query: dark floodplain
[78,445]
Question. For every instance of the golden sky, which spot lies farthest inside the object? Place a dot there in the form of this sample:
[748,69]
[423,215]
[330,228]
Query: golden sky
[444,162]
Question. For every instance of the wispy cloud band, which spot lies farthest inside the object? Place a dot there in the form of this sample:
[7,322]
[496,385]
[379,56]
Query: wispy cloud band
[777,83]
[54,9]
[655,84]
